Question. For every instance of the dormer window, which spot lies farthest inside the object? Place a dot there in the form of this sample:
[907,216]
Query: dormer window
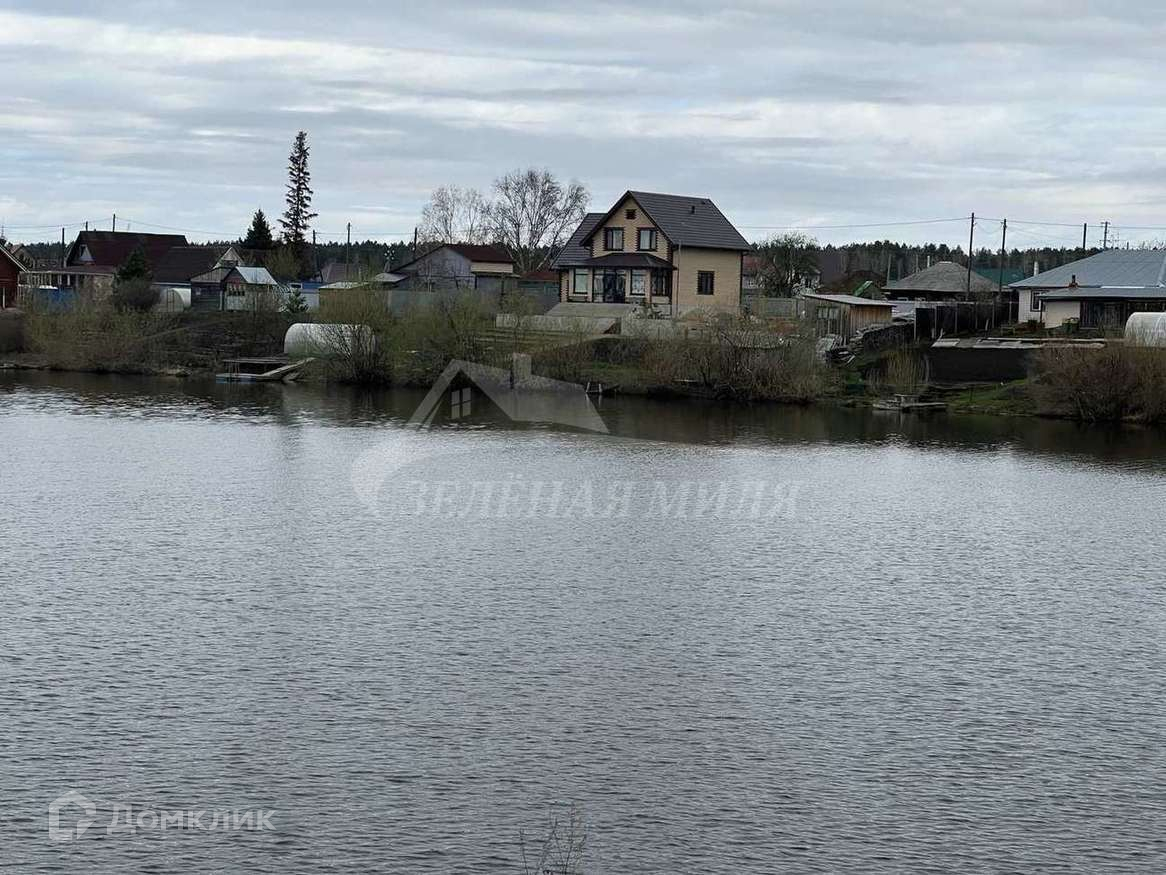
[613,239]
[85,257]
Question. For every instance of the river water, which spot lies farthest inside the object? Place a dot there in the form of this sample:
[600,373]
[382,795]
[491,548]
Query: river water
[759,639]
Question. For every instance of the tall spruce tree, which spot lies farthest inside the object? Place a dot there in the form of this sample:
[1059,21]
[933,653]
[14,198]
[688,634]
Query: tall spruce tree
[298,215]
[259,235]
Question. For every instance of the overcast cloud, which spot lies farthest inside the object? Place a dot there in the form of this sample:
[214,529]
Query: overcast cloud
[785,113]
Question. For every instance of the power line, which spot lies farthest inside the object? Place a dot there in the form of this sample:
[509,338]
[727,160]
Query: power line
[846,227]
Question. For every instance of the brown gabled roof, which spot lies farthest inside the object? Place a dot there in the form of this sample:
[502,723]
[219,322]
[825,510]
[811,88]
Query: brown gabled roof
[110,249]
[181,263]
[477,252]
[11,256]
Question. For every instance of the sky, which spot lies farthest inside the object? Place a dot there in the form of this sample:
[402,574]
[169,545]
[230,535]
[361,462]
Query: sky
[840,118]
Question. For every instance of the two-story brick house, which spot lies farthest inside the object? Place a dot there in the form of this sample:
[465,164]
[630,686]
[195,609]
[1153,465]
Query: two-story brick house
[678,253]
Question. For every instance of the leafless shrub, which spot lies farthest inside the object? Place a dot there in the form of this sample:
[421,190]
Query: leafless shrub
[1097,385]
[354,330]
[96,337]
[903,373]
[428,337]
[561,852]
[741,358]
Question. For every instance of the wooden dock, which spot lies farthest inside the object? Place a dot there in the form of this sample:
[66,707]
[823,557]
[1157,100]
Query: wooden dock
[273,369]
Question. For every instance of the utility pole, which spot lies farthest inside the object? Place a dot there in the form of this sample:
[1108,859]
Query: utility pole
[971,238]
[1003,257]
[1105,236]
[63,252]
[1084,237]
[115,222]
[414,241]
[348,256]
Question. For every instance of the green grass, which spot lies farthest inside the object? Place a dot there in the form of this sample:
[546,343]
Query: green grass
[1006,399]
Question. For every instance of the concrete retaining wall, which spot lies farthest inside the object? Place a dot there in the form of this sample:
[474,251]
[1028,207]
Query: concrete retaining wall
[565,324]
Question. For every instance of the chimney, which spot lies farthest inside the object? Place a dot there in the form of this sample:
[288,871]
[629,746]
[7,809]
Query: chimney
[519,368]
[1073,282]
[1035,268]
[692,210]
[929,261]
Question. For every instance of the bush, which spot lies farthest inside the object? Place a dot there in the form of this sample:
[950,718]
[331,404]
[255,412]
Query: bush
[1101,385]
[427,338]
[741,358]
[97,338]
[904,373]
[134,294]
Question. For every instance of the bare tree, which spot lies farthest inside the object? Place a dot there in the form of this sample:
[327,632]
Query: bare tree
[788,262]
[533,215]
[455,215]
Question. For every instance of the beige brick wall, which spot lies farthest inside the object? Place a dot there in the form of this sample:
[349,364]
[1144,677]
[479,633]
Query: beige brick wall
[630,229]
[726,268]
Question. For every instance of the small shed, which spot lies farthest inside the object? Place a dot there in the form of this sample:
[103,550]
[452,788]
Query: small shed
[845,315]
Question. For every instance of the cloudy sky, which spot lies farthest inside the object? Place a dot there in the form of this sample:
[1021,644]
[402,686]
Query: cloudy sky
[811,114]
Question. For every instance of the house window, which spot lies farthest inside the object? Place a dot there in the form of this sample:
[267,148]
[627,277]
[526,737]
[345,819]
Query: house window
[582,281]
[613,239]
[639,283]
[646,240]
[1037,304]
[704,282]
[630,214]
[660,283]
[459,403]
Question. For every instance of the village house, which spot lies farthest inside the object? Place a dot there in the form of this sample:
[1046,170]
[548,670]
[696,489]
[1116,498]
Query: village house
[457,266]
[11,268]
[675,253]
[1100,292]
[92,262]
[232,286]
[942,281]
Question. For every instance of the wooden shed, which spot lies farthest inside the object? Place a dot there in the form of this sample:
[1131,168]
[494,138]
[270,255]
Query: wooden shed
[845,315]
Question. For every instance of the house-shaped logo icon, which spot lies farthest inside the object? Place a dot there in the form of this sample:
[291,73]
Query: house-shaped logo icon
[63,825]
[465,389]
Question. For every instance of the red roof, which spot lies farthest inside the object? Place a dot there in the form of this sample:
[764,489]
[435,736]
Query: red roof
[111,248]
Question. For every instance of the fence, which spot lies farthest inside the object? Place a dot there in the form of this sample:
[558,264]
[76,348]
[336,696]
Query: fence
[535,301]
[933,318]
[780,308]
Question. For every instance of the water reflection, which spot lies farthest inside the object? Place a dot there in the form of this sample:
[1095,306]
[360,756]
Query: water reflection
[674,421]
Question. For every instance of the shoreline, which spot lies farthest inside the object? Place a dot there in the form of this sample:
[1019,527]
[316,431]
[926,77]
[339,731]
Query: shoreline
[33,363]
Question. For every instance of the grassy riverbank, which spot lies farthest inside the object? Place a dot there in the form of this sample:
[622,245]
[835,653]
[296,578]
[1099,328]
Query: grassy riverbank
[729,358]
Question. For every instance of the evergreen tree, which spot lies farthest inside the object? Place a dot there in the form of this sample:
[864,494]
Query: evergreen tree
[135,267]
[131,284]
[296,303]
[259,234]
[298,215]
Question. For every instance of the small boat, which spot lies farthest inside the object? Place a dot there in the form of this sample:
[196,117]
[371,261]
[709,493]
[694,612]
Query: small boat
[276,369]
